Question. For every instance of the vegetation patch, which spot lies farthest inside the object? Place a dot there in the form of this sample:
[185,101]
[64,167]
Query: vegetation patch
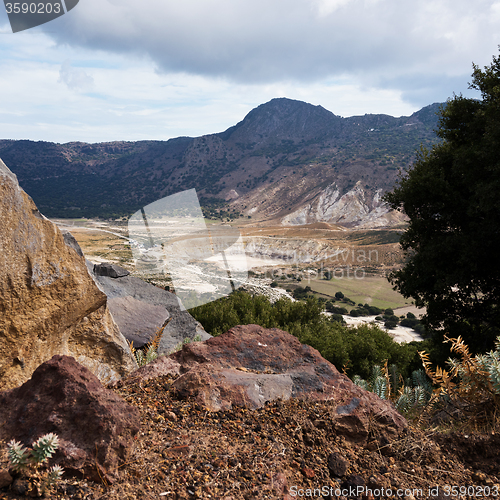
[352,349]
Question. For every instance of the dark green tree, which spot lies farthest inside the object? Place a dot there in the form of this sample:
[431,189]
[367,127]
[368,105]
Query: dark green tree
[451,196]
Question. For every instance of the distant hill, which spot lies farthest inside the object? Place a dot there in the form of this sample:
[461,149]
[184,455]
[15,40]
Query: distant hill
[287,161]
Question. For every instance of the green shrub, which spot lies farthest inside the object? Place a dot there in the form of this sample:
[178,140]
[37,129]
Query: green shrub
[338,317]
[409,322]
[373,311]
[357,348]
[330,307]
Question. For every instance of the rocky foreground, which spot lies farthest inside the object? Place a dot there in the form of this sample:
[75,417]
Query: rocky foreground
[251,414]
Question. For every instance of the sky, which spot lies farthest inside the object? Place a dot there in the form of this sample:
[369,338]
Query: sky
[112,70]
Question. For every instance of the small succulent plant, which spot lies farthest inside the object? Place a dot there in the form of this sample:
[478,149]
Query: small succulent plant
[28,460]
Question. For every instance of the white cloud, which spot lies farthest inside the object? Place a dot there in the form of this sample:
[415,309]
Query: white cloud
[327,7]
[260,41]
[74,78]
[131,101]
[123,69]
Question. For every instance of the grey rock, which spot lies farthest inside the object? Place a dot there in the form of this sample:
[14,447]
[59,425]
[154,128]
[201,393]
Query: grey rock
[70,241]
[337,466]
[111,270]
[140,310]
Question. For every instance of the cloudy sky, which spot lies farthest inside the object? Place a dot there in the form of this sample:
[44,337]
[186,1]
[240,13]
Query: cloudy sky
[156,69]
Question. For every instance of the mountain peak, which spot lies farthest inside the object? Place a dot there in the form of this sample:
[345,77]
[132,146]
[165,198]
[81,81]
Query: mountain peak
[284,119]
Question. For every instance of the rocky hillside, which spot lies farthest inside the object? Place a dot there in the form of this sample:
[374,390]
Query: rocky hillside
[250,415]
[286,162]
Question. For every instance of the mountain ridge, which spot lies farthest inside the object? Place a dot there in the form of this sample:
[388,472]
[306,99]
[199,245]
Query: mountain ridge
[279,159]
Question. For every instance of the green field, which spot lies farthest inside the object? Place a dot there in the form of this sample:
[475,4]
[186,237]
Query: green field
[373,290]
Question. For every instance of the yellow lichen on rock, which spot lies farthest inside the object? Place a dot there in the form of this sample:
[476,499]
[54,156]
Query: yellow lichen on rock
[49,303]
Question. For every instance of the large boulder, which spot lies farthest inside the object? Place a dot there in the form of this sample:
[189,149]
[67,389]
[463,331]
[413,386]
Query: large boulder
[96,428]
[250,365]
[49,303]
[140,309]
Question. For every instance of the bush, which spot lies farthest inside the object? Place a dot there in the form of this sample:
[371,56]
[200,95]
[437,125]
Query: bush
[420,328]
[299,293]
[358,348]
[386,383]
[470,387]
[330,307]
[392,318]
[373,311]
[338,318]
[409,322]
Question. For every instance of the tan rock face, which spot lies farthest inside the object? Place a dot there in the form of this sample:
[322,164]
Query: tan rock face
[49,304]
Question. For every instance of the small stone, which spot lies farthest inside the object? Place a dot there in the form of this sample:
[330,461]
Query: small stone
[353,481]
[479,476]
[375,481]
[170,415]
[5,478]
[20,486]
[307,472]
[336,465]
[280,483]
[247,474]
